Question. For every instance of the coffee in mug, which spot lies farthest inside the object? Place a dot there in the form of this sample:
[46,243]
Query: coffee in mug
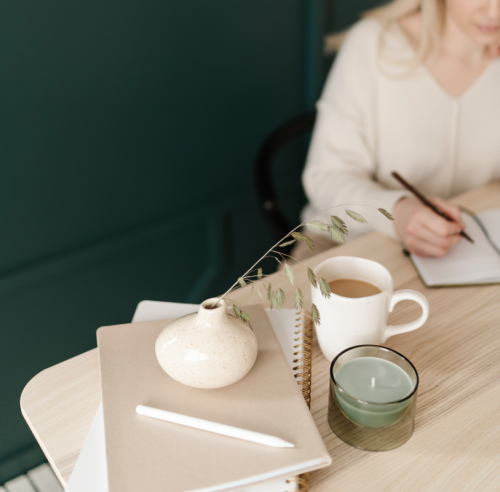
[350,287]
[362,298]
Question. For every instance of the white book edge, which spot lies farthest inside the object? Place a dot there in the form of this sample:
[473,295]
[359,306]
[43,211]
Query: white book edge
[91,473]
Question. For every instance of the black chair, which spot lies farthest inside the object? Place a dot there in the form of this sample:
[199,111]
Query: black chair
[266,190]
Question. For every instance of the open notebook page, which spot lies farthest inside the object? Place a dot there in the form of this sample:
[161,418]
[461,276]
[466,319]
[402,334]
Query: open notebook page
[491,222]
[467,263]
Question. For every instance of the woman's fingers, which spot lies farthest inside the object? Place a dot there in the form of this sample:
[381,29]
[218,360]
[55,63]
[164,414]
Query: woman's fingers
[451,210]
[433,231]
[423,248]
[423,231]
[424,241]
[437,225]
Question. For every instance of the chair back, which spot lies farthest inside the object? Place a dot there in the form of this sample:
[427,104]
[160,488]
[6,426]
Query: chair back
[266,188]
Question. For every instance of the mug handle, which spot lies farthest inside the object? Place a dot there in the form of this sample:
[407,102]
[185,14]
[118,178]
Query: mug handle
[407,295]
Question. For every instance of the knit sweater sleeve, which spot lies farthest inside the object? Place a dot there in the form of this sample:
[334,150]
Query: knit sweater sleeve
[341,164]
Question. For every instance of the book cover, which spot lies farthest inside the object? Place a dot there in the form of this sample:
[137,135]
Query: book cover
[144,453]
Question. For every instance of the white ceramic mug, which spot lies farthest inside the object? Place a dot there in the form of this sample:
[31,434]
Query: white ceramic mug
[346,321]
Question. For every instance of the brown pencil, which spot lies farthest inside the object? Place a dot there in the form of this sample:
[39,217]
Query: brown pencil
[424,200]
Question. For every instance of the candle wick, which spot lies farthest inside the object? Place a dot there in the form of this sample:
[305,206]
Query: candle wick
[373,382]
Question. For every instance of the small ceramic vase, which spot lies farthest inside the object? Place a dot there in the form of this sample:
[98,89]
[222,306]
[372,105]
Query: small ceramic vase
[208,349]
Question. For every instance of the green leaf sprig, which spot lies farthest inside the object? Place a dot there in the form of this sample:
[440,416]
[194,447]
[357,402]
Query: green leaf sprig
[337,230]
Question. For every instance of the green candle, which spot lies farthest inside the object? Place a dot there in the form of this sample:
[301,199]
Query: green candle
[370,389]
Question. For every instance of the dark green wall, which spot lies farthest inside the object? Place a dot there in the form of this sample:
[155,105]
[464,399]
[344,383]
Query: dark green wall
[345,13]
[127,137]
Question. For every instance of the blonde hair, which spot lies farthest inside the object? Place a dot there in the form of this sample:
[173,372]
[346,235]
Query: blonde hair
[432,20]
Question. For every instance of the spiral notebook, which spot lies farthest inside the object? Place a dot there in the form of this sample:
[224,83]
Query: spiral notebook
[294,334]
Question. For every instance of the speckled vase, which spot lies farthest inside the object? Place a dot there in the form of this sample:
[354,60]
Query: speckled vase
[208,349]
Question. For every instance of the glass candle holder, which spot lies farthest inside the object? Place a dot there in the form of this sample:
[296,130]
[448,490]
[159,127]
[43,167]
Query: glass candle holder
[373,397]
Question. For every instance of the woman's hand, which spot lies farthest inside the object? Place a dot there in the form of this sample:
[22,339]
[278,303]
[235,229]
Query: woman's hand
[424,232]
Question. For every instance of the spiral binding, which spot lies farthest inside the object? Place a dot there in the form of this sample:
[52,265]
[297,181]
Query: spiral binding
[304,338]
[302,372]
[302,482]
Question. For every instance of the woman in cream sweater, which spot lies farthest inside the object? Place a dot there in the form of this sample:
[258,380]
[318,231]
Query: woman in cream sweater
[415,89]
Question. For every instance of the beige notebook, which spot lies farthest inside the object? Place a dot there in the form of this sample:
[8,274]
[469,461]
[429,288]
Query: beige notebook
[148,454]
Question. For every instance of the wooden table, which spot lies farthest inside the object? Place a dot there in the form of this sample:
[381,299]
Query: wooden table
[456,443]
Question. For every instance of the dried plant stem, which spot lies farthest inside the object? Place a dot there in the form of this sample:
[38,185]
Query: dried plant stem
[337,230]
[287,236]
[262,258]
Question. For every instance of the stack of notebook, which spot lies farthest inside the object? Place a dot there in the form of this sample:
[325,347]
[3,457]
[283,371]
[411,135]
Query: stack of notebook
[125,451]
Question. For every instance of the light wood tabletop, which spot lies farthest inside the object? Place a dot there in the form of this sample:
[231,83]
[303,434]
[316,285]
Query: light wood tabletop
[456,443]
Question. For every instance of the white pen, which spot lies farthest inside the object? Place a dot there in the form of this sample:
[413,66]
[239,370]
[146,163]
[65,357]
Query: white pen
[225,430]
